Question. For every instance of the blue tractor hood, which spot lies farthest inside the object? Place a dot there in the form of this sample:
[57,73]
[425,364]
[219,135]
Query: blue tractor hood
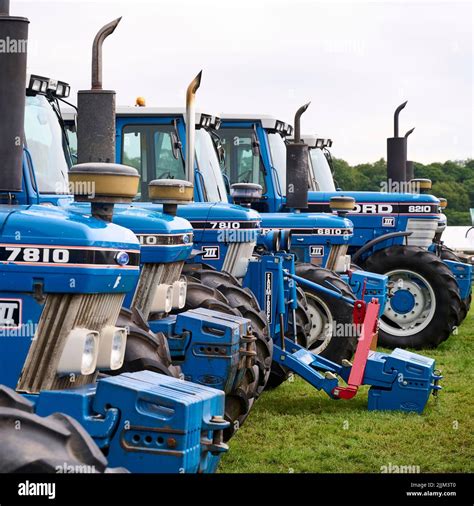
[319,223]
[378,202]
[164,238]
[55,245]
[219,216]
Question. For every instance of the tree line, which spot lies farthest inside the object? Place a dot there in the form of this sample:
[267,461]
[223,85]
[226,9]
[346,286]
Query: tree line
[453,180]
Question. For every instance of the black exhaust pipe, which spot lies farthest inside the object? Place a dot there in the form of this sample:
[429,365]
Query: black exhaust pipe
[96,116]
[396,152]
[410,170]
[14,38]
[297,167]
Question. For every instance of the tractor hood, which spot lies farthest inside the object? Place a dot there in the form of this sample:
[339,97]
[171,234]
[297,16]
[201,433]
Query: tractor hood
[163,238]
[317,222]
[219,216]
[320,225]
[379,202]
[66,252]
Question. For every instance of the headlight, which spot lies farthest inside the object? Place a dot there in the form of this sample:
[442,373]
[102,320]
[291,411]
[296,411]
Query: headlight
[112,344]
[80,352]
[179,293]
[163,300]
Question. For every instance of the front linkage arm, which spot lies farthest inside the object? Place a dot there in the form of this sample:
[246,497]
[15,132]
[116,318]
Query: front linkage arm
[400,380]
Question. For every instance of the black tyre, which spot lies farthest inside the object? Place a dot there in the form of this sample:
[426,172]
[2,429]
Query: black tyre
[424,305]
[214,290]
[53,444]
[449,254]
[332,334]
[145,350]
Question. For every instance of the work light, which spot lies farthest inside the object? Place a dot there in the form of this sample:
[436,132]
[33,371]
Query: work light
[80,352]
[112,344]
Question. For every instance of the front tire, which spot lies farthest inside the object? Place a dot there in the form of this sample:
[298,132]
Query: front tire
[332,333]
[424,305]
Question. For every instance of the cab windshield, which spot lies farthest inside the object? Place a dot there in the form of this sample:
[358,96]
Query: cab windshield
[151,149]
[209,168]
[243,163]
[320,172]
[46,144]
[278,155]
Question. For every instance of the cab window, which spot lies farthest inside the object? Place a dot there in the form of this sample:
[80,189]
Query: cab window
[243,164]
[151,150]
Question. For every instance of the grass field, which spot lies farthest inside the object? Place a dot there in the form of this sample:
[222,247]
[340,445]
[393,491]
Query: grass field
[298,429]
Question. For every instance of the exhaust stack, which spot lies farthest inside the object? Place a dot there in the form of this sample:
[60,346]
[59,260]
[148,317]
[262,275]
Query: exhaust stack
[96,117]
[191,126]
[410,170]
[297,167]
[14,33]
[397,152]
[96,178]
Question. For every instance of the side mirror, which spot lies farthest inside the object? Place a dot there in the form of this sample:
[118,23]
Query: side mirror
[221,154]
[255,145]
[175,145]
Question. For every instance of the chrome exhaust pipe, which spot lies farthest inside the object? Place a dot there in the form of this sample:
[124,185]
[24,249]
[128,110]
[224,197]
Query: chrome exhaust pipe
[191,126]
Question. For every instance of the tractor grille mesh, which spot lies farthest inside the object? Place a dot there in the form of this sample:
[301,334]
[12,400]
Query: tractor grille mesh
[423,232]
[237,258]
[335,253]
[60,315]
[151,276]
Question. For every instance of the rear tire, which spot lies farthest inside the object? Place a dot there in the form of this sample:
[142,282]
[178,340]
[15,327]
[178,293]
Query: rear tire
[419,276]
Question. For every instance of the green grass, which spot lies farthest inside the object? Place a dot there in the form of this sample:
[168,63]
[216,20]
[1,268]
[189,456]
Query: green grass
[295,428]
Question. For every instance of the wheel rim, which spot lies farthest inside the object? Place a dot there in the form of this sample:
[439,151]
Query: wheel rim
[320,334]
[412,305]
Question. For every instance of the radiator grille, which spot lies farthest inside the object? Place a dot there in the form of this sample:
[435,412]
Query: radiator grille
[337,251]
[151,276]
[423,232]
[237,258]
[60,315]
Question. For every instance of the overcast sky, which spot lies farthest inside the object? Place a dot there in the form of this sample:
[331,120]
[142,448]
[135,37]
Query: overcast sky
[356,61]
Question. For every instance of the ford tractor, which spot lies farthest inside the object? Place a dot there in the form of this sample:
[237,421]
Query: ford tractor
[424,306]
[272,278]
[436,277]
[65,276]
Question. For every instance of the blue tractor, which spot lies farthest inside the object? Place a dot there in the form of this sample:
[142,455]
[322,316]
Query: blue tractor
[425,303]
[65,277]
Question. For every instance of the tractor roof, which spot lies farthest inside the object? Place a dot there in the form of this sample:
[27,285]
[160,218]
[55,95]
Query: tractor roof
[315,141]
[267,121]
[68,113]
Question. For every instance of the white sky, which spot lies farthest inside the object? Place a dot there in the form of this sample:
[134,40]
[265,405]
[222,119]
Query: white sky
[356,61]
